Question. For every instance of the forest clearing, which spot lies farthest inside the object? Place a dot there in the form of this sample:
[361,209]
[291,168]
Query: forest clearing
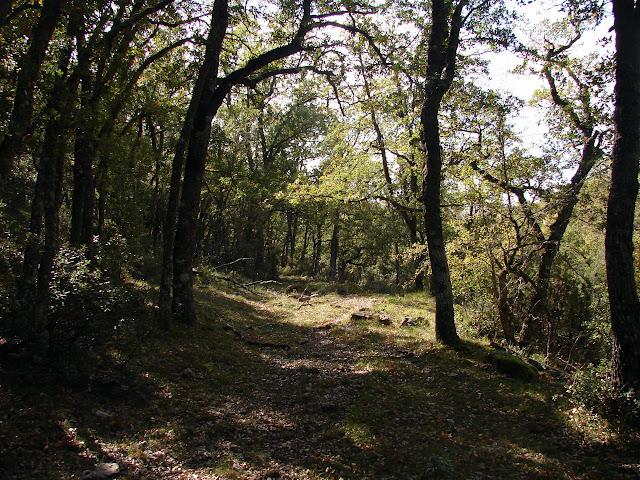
[319,239]
[317,395]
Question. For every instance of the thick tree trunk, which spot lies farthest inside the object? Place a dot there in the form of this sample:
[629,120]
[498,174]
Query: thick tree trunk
[623,296]
[183,308]
[204,86]
[29,65]
[53,160]
[169,228]
[440,276]
[40,254]
[207,108]
[444,39]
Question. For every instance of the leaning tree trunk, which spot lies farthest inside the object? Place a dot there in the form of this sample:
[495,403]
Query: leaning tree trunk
[208,71]
[218,89]
[183,307]
[623,296]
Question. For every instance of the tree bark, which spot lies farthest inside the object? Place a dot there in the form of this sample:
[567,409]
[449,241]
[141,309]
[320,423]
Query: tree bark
[444,39]
[539,316]
[504,312]
[206,74]
[440,276]
[183,308]
[40,253]
[29,65]
[539,308]
[335,247]
[317,249]
[623,296]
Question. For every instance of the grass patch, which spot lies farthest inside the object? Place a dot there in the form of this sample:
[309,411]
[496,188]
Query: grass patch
[347,399]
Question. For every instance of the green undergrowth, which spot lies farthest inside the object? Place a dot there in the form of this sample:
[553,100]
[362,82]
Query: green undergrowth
[275,383]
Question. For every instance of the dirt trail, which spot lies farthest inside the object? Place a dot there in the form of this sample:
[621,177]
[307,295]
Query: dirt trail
[350,399]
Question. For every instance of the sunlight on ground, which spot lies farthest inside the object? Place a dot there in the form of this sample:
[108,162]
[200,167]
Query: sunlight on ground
[297,389]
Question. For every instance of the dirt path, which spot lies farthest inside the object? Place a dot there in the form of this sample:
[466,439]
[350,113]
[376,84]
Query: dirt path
[348,399]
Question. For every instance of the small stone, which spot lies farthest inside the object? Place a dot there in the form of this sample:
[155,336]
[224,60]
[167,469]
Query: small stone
[188,373]
[102,472]
[102,414]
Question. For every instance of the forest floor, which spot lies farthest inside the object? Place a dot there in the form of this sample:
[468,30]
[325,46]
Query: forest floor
[270,385]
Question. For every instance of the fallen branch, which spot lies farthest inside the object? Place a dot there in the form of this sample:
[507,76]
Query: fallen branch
[261,282]
[235,261]
[256,343]
[237,284]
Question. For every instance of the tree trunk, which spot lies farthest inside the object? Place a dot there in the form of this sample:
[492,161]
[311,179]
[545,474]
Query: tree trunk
[294,235]
[183,308]
[83,191]
[504,312]
[305,240]
[317,250]
[39,255]
[102,188]
[444,39]
[440,277]
[538,316]
[53,170]
[31,259]
[335,247]
[418,280]
[206,76]
[29,65]
[623,296]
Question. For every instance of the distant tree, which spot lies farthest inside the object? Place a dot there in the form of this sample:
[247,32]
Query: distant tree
[253,70]
[572,90]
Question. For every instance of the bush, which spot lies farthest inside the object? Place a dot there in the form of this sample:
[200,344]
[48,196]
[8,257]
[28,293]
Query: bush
[591,387]
[89,311]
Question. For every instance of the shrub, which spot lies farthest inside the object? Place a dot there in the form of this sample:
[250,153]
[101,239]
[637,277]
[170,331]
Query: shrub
[591,387]
[89,311]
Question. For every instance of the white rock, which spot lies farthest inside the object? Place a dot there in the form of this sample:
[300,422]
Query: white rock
[102,472]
